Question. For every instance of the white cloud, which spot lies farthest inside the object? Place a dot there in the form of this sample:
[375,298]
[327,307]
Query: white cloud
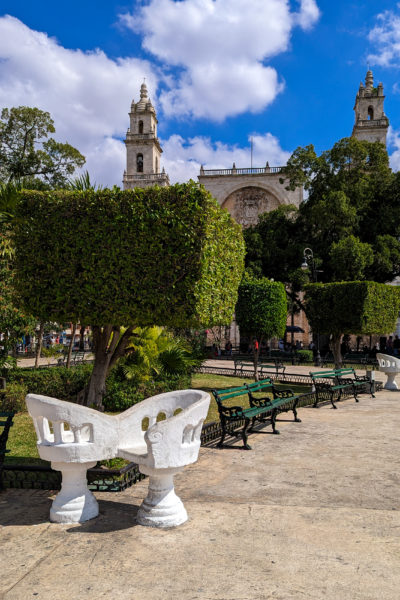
[221,47]
[87,94]
[182,159]
[385,37]
[393,142]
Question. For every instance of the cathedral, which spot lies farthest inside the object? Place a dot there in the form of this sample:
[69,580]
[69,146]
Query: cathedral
[244,192]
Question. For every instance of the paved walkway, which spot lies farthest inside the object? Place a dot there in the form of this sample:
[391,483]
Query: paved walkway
[310,514]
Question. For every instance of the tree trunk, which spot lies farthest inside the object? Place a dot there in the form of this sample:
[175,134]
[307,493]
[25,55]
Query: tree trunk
[82,338]
[256,356]
[108,347]
[337,356]
[39,344]
[71,345]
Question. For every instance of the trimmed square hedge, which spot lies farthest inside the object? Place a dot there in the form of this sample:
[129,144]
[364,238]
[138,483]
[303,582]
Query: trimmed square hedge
[353,307]
[167,256]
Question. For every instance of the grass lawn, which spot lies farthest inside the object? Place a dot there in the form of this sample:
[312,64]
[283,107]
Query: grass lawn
[22,437]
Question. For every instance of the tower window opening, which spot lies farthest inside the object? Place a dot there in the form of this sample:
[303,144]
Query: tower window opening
[156,165]
[140,126]
[370,113]
[139,163]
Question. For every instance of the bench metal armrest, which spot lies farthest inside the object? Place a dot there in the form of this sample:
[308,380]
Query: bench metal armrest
[259,402]
[231,411]
[344,381]
[361,378]
[283,394]
[321,385]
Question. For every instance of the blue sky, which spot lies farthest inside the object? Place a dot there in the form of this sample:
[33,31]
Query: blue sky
[218,71]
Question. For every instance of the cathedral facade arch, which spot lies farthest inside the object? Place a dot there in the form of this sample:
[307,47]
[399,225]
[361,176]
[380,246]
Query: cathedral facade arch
[246,202]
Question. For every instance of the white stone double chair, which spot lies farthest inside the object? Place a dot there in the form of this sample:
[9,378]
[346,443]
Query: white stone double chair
[73,438]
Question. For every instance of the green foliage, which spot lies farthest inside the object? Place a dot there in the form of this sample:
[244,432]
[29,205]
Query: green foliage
[351,192]
[121,395]
[57,382]
[261,309]
[272,246]
[82,183]
[13,398]
[153,352]
[166,256]
[305,355]
[14,322]
[354,307]
[27,151]
[350,258]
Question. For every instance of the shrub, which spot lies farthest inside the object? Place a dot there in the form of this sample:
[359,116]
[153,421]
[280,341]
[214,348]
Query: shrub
[121,395]
[57,382]
[305,355]
[13,398]
[167,256]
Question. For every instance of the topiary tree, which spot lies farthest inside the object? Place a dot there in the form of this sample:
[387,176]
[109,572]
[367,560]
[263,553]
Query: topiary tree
[261,311]
[119,259]
[354,307]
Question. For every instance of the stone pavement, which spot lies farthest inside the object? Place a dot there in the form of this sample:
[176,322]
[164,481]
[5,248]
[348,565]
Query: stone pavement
[310,514]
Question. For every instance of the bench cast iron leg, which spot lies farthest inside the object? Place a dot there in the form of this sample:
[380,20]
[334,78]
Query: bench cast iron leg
[332,398]
[253,422]
[244,434]
[273,420]
[355,393]
[223,425]
[297,420]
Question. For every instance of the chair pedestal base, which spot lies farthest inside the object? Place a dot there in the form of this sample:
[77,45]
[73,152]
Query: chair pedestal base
[162,507]
[74,503]
[391,383]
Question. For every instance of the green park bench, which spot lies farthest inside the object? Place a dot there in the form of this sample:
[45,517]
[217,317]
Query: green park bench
[275,367]
[6,421]
[360,382]
[259,410]
[76,358]
[333,389]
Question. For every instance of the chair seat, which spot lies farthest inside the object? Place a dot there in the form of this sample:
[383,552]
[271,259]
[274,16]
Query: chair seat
[133,452]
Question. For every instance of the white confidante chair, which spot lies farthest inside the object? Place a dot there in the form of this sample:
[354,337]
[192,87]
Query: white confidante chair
[164,449]
[391,366]
[73,438]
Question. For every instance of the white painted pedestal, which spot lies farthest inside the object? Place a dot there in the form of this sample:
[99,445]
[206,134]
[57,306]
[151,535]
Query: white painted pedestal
[162,507]
[74,503]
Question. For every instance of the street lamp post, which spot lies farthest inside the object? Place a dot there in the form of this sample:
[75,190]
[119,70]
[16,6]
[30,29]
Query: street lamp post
[308,264]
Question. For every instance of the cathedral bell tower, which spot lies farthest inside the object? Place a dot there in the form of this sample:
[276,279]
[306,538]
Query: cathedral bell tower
[371,123]
[143,150]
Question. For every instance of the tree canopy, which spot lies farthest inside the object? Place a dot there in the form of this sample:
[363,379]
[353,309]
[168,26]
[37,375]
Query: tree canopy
[350,218]
[354,307]
[261,310]
[27,151]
